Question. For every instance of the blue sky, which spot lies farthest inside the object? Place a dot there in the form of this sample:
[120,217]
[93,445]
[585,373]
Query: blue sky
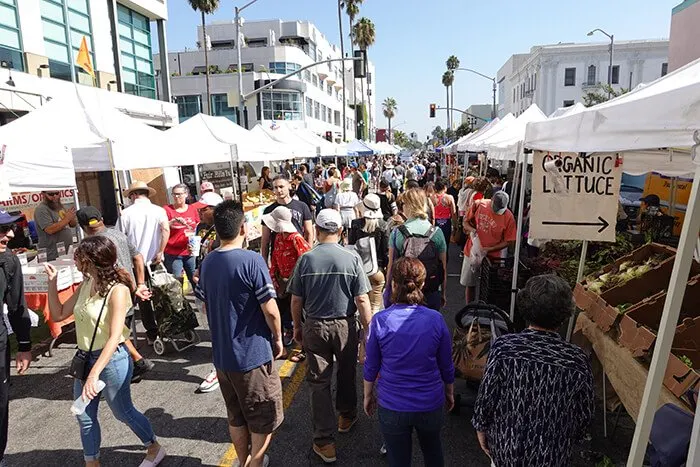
[415,37]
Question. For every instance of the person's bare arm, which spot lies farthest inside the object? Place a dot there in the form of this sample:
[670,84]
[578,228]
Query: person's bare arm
[59,311]
[297,305]
[164,237]
[68,220]
[274,322]
[364,310]
[265,243]
[309,232]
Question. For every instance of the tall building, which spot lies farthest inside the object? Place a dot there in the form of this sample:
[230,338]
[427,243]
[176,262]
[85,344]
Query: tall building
[39,40]
[684,42]
[554,76]
[273,48]
[477,115]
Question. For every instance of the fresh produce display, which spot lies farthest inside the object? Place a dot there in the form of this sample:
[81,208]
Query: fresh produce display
[687,361]
[623,273]
[259,197]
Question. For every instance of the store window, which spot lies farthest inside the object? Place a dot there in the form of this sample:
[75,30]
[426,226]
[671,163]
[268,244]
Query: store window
[278,105]
[62,46]
[188,106]
[136,54]
[220,108]
[10,35]
[283,68]
[309,108]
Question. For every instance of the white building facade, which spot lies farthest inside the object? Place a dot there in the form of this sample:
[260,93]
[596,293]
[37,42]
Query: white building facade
[477,115]
[40,39]
[554,76]
[313,98]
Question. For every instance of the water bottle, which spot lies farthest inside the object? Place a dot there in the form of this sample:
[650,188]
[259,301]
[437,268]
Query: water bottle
[79,404]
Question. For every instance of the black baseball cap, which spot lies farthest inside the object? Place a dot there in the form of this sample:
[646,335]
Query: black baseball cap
[88,216]
[651,200]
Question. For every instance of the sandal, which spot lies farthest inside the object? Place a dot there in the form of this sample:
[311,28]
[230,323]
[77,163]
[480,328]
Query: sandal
[298,357]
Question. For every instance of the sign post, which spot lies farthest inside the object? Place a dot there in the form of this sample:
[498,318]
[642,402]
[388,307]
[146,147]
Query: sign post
[575,197]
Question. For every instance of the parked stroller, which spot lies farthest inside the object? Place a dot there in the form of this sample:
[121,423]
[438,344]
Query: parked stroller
[174,313]
[479,324]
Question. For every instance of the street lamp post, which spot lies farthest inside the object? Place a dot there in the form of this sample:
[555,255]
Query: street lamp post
[239,46]
[612,42]
[493,80]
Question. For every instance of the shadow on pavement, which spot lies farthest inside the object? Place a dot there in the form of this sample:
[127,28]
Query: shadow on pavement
[118,455]
[209,429]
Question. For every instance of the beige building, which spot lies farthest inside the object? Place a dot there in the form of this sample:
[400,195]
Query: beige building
[684,46]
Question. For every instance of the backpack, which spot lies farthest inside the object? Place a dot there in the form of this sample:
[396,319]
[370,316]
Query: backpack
[329,198]
[366,249]
[423,248]
[311,193]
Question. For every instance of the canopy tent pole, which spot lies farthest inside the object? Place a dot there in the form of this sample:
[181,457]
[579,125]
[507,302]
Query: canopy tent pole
[238,179]
[667,330]
[694,451]
[233,150]
[515,183]
[579,276]
[76,203]
[519,239]
[115,178]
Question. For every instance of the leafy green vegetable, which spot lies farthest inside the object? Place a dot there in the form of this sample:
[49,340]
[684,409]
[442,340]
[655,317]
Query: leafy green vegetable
[688,362]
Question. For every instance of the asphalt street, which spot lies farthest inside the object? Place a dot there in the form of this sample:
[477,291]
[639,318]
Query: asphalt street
[193,429]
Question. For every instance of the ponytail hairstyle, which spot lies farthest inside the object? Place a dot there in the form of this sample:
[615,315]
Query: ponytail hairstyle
[101,253]
[407,280]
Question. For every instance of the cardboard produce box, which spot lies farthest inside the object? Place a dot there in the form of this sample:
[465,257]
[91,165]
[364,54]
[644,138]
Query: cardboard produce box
[679,376]
[640,324]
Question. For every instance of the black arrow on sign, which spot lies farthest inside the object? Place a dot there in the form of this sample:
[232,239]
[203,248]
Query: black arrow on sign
[602,222]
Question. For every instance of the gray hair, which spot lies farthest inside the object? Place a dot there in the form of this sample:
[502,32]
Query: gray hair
[182,186]
[546,301]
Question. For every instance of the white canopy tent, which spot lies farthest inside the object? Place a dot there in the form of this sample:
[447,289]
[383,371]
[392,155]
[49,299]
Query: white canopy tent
[663,114]
[452,148]
[561,111]
[296,147]
[360,148]
[475,144]
[205,139]
[326,148]
[507,143]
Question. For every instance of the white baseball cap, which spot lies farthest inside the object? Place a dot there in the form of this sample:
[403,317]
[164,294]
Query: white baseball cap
[208,199]
[329,220]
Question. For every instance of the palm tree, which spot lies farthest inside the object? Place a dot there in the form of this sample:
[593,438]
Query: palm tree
[364,35]
[205,7]
[390,108]
[448,78]
[452,64]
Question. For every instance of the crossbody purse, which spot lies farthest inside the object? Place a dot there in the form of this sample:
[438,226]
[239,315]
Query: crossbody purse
[79,366]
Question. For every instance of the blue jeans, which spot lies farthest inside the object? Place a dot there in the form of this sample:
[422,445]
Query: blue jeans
[117,393]
[397,428]
[175,264]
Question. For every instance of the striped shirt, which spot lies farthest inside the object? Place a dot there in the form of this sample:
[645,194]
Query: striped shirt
[233,284]
[328,278]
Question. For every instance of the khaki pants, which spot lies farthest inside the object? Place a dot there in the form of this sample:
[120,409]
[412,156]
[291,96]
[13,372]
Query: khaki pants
[375,295]
[324,340]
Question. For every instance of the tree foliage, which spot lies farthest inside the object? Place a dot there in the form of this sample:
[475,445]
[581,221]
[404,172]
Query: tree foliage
[364,33]
[204,6]
[389,107]
[599,94]
[463,130]
[448,78]
[438,133]
[452,63]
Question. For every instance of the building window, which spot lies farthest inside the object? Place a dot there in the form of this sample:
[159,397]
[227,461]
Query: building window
[56,39]
[615,78]
[592,75]
[309,108]
[136,56]
[570,77]
[10,35]
[312,51]
[317,111]
[514,96]
[330,89]
[534,82]
[324,114]
[256,42]
[283,68]
[307,76]
[664,69]
[233,68]
[188,106]
[315,80]
[568,103]
[336,117]
[278,105]
[330,115]
[220,108]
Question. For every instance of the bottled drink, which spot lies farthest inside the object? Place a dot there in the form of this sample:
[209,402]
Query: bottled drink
[79,404]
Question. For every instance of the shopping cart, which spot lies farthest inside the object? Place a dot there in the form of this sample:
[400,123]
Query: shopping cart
[494,285]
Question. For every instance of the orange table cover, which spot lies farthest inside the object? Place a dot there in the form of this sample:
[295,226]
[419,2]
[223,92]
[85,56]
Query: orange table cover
[40,302]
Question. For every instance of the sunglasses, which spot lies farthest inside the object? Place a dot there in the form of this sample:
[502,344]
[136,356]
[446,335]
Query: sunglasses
[52,193]
[6,228]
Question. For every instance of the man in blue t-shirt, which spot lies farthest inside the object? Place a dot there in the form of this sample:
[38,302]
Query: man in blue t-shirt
[245,332]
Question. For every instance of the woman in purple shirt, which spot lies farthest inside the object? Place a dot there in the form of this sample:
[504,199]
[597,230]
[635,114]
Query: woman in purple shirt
[411,347]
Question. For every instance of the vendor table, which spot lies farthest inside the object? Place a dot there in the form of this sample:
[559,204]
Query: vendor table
[39,302]
[626,375]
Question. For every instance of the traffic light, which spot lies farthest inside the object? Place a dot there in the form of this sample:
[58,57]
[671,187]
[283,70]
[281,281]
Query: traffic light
[329,136]
[432,110]
[360,66]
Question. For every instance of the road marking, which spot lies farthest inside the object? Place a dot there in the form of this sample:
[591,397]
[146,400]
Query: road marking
[296,371]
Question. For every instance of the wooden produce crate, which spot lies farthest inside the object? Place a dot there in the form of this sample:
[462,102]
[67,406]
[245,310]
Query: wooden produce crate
[639,325]
[679,377]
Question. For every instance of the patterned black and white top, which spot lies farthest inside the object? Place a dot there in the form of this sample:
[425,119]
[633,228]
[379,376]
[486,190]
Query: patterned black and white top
[535,400]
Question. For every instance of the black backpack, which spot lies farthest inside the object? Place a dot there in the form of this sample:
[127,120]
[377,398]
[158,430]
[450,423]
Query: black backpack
[424,249]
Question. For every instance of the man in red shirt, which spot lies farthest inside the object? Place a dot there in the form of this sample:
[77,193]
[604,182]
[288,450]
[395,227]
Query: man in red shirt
[183,219]
[495,226]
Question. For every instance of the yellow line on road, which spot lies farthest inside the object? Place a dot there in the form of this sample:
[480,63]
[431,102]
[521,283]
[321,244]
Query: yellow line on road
[296,371]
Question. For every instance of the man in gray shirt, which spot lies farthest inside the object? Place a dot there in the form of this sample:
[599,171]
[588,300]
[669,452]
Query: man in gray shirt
[329,284]
[54,223]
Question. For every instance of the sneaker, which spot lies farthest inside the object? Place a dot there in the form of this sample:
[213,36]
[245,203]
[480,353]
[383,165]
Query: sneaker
[266,461]
[326,453]
[345,424]
[287,337]
[141,367]
[210,383]
[159,457]
[382,450]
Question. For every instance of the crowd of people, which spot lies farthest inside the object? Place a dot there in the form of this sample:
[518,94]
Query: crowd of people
[352,267]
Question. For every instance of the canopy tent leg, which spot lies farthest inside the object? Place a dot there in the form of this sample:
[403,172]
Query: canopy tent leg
[76,203]
[115,178]
[238,179]
[579,276]
[516,185]
[519,240]
[667,330]
[694,451]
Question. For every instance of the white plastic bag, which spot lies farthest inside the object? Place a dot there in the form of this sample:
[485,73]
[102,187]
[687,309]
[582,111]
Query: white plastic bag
[477,253]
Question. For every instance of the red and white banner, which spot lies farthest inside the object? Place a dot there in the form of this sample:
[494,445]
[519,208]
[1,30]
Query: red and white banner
[24,201]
